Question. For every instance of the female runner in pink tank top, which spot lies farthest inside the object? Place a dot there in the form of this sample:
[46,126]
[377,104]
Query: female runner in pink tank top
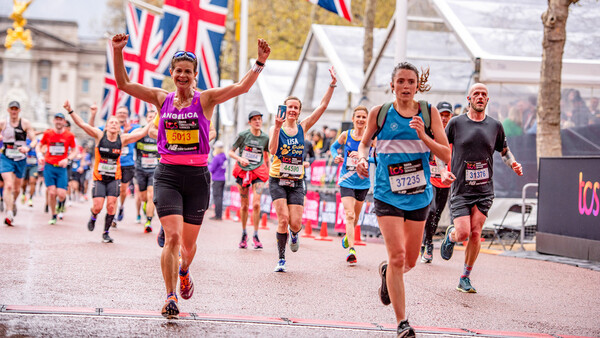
[181,179]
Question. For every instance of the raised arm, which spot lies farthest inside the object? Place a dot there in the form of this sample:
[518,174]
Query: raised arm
[92,131]
[310,121]
[156,96]
[93,111]
[216,96]
[135,135]
[274,132]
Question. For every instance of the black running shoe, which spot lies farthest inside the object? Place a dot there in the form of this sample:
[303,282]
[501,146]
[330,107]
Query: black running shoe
[464,285]
[170,310]
[106,238]
[91,224]
[160,239]
[447,248]
[404,330]
[120,215]
[383,291]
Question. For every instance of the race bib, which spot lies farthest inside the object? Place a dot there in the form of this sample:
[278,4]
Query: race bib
[182,135]
[252,154]
[107,169]
[13,153]
[477,173]
[407,178]
[149,162]
[287,183]
[291,167]
[435,172]
[148,147]
[31,161]
[57,149]
[351,163]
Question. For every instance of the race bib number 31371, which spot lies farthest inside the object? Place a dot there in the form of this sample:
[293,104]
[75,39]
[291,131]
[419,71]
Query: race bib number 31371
[407,178]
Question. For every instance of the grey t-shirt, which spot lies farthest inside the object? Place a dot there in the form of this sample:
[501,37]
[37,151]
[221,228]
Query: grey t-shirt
[474,143]
[252,148]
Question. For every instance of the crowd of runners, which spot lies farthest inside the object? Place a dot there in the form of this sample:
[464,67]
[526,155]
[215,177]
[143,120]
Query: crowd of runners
[420,154]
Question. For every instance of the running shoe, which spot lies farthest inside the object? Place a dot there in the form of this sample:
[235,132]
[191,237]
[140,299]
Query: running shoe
[351,258]
[147,227]
[138,219]
[8,221]
[120,215]
[243,242]
[106,238]
[52,221]
[257,243]
[170,310]
[30,203]
[280,266]
[404,330]
[60,215]
[160,239]
[345,242]
[464,285]
[383,290]
[427,254]
[186,284]
[447,247]
[23,198]
[91,224]
[294,241]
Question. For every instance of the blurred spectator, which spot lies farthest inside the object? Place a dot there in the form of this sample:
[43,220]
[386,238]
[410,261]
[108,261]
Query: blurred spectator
[576,114]
[317,143]
[217,168]
[328,140]
[512,124]
[493,110]
[457,109]
[594,111]
[527,108]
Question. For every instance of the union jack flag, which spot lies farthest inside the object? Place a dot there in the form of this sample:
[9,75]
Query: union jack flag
[141,57]
[339,7]
[195,26]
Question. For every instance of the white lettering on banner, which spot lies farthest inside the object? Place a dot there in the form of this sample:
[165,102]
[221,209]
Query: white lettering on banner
[311,210]
[235,198]
[190,115]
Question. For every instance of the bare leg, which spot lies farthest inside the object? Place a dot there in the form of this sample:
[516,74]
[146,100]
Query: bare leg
[257,191]
[169,259]
[244,207]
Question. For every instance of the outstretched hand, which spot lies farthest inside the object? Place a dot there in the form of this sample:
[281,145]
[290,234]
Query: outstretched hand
[119,41]
[67,106]
[263,50]
[333,78]
[279,118]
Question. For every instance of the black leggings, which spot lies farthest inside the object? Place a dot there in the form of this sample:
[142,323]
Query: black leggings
[440,197]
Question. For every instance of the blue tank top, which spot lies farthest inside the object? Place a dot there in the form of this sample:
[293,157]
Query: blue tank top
[348,176]
[287,161]
[402,174]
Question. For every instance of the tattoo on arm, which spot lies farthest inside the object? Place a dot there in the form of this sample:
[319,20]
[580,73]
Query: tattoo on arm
[508,157]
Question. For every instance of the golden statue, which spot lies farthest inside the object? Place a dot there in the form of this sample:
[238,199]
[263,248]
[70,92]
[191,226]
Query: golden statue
[19,33]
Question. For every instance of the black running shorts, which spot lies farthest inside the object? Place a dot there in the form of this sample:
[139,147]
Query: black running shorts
[127,173]
[144,179]
[462,205]
[384,209]
[358,194]
[293,194]
[182,190]
[104,188]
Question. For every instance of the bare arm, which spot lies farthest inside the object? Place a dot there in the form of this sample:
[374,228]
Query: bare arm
[31,135]
[212,133]
[274,132]
[310,121]
[90,130]
[511,162]
[438,146]
[93,111]
[155,96]
[216,96]
[135,135]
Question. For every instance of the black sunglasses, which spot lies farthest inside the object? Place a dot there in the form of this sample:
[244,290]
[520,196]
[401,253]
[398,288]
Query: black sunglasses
[184,53]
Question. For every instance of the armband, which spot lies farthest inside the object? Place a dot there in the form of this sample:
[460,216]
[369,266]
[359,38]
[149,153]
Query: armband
[71,112]
[256,68]
[508,158]
[260,63]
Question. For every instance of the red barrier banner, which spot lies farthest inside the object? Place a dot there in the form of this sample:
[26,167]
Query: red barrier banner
[235,198]
[340,219]
[317,172]
[311,209]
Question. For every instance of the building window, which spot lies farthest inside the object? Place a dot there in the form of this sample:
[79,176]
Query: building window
[44,84]
[85,86]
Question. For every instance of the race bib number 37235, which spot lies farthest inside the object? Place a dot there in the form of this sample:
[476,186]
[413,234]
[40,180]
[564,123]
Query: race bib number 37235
[407,178]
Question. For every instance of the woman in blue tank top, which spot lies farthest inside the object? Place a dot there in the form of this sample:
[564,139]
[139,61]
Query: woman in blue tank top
[353,189]
[402,190]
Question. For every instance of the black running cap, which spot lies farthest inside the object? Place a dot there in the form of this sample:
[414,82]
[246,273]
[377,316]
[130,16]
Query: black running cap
[254,113]
[14,104]
[444,107]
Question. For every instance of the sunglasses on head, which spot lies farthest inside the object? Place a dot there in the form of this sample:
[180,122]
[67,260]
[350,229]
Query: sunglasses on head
[184,53]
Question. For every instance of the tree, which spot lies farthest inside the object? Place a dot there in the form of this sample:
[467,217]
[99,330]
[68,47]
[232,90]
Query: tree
[548,138]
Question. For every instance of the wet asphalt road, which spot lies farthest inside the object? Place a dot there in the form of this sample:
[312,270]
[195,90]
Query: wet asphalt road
[65,266]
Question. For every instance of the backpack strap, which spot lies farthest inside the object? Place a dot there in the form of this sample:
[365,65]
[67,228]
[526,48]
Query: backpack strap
[381,115]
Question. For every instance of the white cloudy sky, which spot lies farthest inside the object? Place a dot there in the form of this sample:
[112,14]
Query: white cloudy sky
[90,14]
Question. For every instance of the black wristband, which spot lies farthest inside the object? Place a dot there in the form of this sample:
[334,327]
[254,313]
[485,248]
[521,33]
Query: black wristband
[71,112]
[260,63]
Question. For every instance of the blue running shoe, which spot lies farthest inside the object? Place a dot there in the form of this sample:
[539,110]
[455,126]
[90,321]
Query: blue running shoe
[351,258]
[160,239]
[447,248]
[280,266]
[464,285]
[294,241]
[120,215]
[345,242]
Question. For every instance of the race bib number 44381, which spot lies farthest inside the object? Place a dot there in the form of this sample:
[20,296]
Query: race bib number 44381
[477,173]
[407,178]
